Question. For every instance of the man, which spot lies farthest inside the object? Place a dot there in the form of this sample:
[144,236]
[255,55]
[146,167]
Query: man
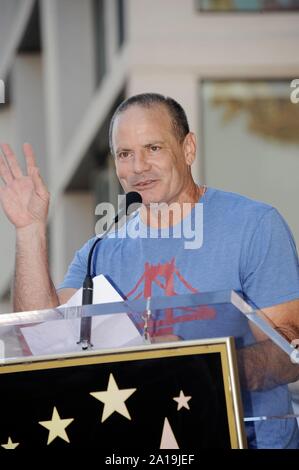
[246,245]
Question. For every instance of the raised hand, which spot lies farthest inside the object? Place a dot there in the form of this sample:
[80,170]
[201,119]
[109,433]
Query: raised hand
[24,198]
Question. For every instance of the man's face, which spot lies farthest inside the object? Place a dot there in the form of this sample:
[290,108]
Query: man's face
[148,157]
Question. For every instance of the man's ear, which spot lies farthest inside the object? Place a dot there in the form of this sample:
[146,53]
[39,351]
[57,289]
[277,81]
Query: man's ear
[189,147]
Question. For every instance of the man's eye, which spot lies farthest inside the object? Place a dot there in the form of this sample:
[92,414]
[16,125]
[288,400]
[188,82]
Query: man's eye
[123,155]
[155,148]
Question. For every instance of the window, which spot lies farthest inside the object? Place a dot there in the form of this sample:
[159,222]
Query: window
[250,141]
[247,5]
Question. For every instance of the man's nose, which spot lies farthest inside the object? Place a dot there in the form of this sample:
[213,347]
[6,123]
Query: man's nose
[140,163]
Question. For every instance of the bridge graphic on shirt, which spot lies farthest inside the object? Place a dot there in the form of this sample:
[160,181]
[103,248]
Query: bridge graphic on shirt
[164,276]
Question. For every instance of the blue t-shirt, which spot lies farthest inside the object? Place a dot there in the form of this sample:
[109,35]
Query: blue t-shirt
[246,247]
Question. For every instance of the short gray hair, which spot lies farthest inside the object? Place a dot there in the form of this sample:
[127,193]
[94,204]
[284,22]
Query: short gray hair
[147,100]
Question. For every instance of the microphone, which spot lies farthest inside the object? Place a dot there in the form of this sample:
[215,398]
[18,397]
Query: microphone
[131,199]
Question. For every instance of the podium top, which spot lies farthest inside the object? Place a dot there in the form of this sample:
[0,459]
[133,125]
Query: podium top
[212,314]
[266,361]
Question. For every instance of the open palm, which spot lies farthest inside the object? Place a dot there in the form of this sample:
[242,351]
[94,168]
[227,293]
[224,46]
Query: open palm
[24,198]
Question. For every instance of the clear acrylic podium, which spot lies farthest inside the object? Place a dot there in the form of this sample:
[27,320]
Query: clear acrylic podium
[195,371]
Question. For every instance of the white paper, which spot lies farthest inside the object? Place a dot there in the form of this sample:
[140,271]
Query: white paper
[108,331]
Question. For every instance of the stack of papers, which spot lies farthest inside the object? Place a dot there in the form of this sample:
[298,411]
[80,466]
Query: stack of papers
[108,331]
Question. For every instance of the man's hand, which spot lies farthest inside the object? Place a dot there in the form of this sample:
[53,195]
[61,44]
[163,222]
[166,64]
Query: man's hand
[264,365]
[24,198]
[25,201]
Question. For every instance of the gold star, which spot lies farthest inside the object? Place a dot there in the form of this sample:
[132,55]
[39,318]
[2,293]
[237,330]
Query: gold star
[56,426]
[182,401]
[10,444]
[114,399]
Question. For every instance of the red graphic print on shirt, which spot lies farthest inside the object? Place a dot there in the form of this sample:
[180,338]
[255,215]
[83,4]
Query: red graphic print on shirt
[163,275]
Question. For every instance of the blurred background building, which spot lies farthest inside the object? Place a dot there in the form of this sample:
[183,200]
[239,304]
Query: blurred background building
[66,64]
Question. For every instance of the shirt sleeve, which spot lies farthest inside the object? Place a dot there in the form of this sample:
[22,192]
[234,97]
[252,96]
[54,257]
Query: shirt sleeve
[271,275]
[77,269]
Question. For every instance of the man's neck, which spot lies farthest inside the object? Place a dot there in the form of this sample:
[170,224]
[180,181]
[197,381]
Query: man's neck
[162,215]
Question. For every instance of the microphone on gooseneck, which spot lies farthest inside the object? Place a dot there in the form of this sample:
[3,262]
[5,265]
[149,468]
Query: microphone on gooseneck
[131,199]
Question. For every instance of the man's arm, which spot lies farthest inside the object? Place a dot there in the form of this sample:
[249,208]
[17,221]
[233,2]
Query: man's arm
[25,201]
[264,365]
[284,318]
[65,294]
[33,288]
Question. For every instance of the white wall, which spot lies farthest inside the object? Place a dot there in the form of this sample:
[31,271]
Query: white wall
[72,224]
[69,48]
[174,34]
[7,238]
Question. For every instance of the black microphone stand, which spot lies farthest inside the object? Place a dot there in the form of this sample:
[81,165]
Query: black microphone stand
[87,288]
[87,296]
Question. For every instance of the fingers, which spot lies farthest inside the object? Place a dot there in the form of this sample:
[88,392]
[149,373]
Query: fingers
[33,171]
[5,172]
[12,162]
[10,169]
[39,185]
[30,157]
